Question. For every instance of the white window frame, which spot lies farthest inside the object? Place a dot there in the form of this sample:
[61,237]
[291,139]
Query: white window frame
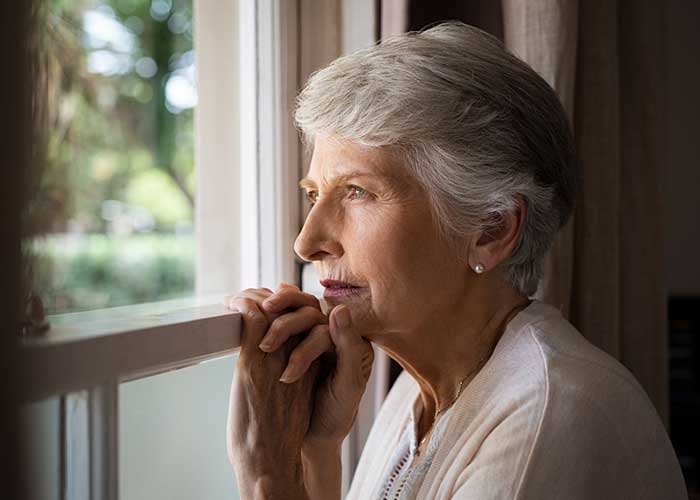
[246,219]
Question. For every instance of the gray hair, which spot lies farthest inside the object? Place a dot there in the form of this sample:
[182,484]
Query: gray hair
[475,125]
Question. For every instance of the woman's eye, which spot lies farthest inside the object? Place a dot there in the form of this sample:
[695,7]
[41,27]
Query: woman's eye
[356,192]
[312,196]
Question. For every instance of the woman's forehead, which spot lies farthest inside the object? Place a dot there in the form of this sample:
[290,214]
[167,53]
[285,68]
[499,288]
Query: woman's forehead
[333,161]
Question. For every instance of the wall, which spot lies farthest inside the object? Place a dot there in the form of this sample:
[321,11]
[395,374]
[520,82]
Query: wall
[682,187]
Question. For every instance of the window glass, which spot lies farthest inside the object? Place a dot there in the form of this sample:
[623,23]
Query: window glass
[40,456]
[172,438]
[115,206]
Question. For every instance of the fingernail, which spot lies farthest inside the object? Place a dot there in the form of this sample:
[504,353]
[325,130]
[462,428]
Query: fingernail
[266,345]
[288,375]
[342,317]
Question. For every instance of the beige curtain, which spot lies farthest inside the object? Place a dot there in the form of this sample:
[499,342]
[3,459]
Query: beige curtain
[544,33]
[605,59]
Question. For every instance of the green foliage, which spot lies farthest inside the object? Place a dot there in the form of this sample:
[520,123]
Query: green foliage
[94,271]
[120,155]
[154,191]
[106,125]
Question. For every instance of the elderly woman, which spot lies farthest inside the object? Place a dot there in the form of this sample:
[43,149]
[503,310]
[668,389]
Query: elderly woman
[442,169]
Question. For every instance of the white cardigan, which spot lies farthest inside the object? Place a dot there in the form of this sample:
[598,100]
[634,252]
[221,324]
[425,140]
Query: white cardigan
[549,416]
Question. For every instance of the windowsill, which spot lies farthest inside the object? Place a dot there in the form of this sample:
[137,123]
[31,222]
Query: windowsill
[85,349]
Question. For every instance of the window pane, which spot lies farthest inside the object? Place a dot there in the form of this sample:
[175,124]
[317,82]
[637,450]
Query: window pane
[172,442]
[41,447]
[115,205]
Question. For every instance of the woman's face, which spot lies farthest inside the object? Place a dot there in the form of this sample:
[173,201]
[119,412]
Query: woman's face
[370,226]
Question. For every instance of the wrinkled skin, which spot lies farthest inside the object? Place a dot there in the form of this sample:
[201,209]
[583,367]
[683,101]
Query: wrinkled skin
[315,407]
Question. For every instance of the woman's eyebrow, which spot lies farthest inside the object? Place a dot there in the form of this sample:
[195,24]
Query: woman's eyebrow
[308,183]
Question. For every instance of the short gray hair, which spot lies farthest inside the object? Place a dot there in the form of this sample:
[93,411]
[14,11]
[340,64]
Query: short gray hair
[475,125]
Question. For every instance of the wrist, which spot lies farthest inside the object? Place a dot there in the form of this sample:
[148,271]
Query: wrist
[322,471]
[273,488]
[314,450]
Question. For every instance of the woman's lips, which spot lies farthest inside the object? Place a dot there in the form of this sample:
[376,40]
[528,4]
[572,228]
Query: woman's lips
[335,288]
[337,292]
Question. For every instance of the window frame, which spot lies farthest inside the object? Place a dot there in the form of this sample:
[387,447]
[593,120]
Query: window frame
[242,241]
[249,147]
[272,206]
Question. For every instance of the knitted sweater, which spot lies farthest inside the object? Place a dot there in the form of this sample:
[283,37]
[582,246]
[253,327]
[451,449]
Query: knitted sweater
[549,416]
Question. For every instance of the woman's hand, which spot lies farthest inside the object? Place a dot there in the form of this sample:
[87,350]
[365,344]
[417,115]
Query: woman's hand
[346,365]
[346,362]
[268,419]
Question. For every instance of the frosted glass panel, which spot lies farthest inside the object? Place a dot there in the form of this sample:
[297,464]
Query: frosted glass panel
[41,447]
[172,435]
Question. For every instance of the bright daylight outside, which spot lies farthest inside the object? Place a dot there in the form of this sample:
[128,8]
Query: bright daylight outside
[115,208]
[113,217]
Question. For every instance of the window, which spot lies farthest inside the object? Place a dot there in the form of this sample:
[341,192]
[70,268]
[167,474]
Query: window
[102,396]
[116,203]
[107,415]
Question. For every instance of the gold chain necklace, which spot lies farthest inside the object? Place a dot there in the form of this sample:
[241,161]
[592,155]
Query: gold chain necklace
[461,383]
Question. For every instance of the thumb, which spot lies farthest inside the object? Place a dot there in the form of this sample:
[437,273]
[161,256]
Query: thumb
[354,354]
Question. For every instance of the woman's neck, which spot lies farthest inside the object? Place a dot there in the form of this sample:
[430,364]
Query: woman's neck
[451,345]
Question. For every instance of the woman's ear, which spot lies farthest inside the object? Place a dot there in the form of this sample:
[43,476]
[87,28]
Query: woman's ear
[496,245]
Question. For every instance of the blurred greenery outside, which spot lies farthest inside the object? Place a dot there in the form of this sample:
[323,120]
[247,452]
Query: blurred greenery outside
[113,214]
[98,270]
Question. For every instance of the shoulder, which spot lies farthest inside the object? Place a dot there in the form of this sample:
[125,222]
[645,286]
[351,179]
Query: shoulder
[560,411]
[572,378]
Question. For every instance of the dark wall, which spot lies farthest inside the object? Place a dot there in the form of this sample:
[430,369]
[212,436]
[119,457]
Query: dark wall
[485,15]
[17,84]
[683,167]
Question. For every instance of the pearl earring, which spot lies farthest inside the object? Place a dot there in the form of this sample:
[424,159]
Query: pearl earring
[479,268]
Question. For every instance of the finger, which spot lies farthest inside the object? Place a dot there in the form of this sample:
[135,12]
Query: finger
[316,343]
[255,323]
[289,324]
[289,297]
[355,354]
[259,294]
[287,285]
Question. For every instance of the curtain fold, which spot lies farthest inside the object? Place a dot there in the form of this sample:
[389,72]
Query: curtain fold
[603,57]
[544,34]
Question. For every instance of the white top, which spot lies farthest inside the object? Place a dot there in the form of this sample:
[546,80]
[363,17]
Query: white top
[404,480]
[549,416]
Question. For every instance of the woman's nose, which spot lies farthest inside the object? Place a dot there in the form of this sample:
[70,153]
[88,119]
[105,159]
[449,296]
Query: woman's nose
[317,239]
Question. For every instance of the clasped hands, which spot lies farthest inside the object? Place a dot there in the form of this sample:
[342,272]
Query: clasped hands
[296,389]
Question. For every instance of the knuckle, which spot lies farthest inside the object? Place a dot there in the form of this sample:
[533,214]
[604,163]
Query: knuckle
[246,301]
[313,299]
[256,318]
[285,293]
[322,334]
[297,358]
[322,330]
[314,313]
[231,299]
[255,293]
[279,323]
[287,286]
